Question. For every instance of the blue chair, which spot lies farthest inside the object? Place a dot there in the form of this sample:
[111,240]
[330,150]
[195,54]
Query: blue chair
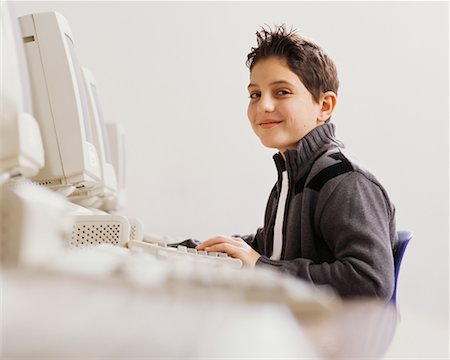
[403,239]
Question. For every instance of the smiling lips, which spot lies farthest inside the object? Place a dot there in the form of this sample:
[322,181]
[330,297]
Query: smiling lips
[268,124]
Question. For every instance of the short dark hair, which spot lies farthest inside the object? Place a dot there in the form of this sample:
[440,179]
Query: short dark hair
[303,56]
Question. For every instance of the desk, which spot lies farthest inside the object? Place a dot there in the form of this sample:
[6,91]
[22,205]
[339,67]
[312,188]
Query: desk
[46,315]
[49,315]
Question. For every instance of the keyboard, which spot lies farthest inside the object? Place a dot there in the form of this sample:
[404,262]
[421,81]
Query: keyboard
[163,251]
[178,274]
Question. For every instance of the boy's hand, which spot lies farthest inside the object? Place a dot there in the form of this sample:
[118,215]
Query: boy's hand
[235,247]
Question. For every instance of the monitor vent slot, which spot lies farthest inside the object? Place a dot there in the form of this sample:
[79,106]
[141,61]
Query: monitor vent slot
[48,182]
[133,232]
[88,234]
[28,39]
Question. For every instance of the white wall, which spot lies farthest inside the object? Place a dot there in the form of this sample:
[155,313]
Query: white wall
[174,74]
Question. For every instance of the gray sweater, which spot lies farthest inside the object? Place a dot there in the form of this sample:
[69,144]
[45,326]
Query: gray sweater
[339,224]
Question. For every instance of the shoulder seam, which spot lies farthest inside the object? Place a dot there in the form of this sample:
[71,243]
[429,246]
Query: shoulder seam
[330,172]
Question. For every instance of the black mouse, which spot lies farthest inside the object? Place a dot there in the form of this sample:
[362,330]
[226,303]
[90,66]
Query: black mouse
[190,243]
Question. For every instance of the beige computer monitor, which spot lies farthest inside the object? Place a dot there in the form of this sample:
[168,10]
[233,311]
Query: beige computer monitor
[60,103]
[100,138]
[116,136]
[21,150]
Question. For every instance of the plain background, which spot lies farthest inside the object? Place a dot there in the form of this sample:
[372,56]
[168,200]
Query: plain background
[173,73]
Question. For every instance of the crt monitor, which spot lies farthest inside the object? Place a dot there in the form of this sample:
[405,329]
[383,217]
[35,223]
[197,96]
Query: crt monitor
[21,151]
[116,136]
[101,140]
[59,103]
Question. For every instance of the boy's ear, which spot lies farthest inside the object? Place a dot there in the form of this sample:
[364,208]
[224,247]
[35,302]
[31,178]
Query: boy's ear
[327,104]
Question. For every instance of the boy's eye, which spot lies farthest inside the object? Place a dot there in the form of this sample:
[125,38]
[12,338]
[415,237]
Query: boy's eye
[254,95]
[283,92]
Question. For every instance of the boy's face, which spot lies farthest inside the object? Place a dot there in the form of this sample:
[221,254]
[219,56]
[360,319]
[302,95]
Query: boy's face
[281,109]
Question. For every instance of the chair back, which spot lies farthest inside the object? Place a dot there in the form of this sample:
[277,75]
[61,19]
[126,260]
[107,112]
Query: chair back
[403,239]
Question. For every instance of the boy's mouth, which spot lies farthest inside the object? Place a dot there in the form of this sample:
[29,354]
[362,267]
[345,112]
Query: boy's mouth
[269,123]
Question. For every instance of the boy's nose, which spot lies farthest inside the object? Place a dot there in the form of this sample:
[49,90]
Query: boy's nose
[266,104]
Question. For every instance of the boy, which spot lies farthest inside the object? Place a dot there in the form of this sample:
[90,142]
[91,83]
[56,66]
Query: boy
[327,220]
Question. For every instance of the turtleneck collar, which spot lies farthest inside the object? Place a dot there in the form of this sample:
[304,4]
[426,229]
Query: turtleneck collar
[321,137]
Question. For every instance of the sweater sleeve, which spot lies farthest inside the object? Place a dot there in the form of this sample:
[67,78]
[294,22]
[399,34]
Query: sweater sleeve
[253,239]
[355,222]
